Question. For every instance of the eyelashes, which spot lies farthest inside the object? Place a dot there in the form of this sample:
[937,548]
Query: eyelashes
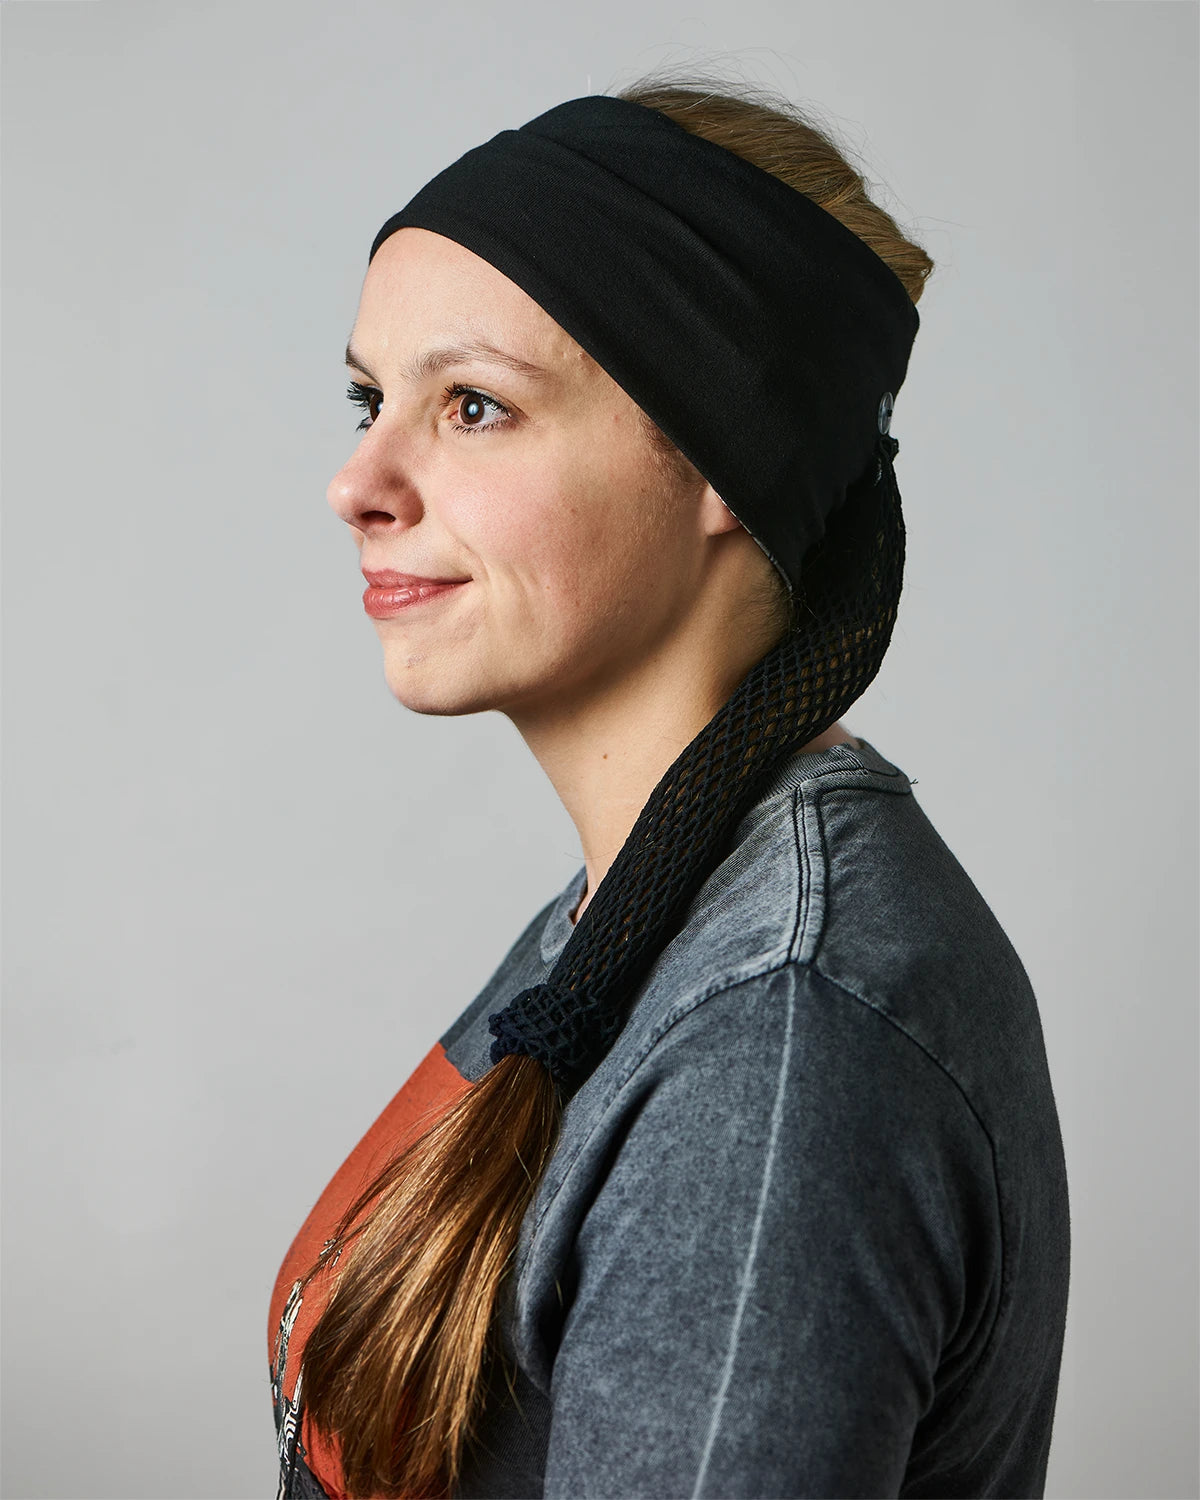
[362,395]
[365,396]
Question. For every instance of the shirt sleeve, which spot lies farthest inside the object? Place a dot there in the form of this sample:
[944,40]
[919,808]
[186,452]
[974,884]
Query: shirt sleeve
[776,1258]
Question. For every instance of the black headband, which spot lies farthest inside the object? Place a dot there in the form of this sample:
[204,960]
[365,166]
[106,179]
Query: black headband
[764,338]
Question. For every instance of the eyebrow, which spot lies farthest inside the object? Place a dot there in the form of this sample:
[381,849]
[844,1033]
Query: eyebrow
[433,361]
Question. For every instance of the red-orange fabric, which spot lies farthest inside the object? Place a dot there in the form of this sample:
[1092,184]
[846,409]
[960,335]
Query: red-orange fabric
[433,1086]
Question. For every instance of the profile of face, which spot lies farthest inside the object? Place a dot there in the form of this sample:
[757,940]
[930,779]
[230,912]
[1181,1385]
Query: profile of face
[499,455]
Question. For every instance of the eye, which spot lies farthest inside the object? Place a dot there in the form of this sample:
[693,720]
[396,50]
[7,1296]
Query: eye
[474,404]
[363,395]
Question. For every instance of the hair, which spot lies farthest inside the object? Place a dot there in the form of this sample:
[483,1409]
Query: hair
[397,1367]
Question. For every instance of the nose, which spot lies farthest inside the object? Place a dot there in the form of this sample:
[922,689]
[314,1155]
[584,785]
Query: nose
[371,491]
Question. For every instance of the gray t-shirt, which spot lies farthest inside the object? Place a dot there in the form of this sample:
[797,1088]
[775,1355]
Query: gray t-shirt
[805,1231]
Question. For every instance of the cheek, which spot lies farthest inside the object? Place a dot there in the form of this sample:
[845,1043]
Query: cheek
[567,530]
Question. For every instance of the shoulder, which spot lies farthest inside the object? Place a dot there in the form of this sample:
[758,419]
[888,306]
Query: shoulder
[789,1052]
[833,1065]
[783,1102]
[840,904]
[836,869]
[839,867]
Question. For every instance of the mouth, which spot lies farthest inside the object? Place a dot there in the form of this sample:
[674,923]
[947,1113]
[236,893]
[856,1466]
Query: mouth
[389,592]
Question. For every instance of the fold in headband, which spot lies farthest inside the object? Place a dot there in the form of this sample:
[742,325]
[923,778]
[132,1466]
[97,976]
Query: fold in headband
[762,336]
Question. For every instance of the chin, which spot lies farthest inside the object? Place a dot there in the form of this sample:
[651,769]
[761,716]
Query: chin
[426,685]
[468,677]
[434,698]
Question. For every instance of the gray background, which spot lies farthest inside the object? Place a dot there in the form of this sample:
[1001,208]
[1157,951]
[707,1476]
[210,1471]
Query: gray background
[245,890]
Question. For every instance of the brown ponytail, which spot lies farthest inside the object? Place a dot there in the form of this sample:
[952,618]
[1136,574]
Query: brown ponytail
[394,1369]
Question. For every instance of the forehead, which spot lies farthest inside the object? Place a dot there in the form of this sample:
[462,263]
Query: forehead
[421,284]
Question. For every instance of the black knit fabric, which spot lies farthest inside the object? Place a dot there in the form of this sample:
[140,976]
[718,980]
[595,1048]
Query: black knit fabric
[768,342]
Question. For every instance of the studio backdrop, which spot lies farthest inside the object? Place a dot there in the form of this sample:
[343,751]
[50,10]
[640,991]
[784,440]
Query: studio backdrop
[244,889]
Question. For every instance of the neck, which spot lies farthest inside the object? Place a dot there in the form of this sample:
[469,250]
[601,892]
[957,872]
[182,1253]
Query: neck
[605,750]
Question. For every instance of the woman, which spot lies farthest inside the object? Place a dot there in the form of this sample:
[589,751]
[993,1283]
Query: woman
[743,1175]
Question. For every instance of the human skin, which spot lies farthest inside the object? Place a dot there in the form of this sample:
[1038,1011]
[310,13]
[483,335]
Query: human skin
[608,611]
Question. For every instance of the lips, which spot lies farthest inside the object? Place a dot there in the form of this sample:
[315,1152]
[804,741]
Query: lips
[390,592]
[387,578]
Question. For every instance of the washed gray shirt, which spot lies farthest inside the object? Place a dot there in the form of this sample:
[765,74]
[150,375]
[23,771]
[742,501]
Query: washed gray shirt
[805,1231]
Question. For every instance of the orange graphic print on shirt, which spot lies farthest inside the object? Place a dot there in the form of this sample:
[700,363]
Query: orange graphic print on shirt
[434,1085]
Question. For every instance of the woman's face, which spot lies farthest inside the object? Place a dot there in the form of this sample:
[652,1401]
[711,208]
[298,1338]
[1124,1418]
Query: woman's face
[522,472]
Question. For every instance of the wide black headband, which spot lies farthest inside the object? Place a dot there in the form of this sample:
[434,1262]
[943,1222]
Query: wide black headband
[764,338]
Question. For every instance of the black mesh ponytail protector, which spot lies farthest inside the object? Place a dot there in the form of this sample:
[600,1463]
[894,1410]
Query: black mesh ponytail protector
[768,342]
